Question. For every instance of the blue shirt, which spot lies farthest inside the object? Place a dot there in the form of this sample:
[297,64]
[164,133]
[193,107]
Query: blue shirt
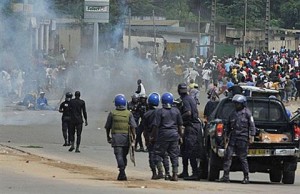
[41,102]
[167,122]
[189,104]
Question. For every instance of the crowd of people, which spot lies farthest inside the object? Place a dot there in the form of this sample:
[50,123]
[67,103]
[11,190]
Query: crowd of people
[162,128]
[277,70]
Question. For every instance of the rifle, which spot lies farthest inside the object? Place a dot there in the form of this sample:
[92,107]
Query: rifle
[131,145]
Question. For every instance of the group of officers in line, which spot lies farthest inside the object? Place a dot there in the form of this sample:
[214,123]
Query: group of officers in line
[175,130]
[169,132]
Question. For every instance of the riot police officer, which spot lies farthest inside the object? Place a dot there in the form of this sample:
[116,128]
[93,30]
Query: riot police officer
[132,106]
[192,147]
[119,125]
[167,132]
[142,108]
[241,131]
[147,125]
[64,108]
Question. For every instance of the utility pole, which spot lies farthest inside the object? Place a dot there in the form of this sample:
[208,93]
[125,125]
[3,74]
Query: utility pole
[154,33]
[129,30]
[212,28]
[199,33]
[267,25]
[245,28]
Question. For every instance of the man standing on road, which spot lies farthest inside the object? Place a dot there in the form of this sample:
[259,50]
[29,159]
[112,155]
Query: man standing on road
[147,123]
[192,147]
[64,108]
[120,125]
[241,131]
[77,107]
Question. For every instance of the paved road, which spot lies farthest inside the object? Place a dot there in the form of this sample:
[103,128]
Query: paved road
[39,133]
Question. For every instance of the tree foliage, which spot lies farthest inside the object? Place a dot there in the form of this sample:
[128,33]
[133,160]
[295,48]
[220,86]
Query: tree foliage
[284,14]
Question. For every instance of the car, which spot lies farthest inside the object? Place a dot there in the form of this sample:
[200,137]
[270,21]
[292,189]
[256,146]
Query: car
[276,147]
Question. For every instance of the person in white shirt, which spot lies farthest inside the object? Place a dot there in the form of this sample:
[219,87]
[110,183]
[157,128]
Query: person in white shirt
[141,89]
[206,76]
[194,74]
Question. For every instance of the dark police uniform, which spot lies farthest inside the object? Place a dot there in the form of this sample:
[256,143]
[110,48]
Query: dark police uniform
[66,118]
[77,107]
[168,122]
[118,123]
[241,128]
[192,147]
[147,126]
[142,108]
[134,108]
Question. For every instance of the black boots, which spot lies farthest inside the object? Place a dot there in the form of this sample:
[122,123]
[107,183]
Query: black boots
[246,179]
[72,147]
[77,149]
[224,179]
[193,177]
[66,143]
[156,176]
[183,174]
[174,177]
[122,175]
[167,177]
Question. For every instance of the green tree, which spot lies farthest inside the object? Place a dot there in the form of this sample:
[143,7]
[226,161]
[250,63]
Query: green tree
[290,12]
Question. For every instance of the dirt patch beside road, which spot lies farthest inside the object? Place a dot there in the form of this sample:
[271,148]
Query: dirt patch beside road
[21,162]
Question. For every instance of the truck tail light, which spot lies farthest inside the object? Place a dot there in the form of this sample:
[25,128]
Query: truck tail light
[297,132]
[220,128]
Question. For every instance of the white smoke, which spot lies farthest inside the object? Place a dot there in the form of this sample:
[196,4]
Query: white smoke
[116,72]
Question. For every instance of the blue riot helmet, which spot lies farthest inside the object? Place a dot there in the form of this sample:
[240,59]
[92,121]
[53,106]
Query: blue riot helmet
[240,101]
[120,100]
[153,99]
[167,100]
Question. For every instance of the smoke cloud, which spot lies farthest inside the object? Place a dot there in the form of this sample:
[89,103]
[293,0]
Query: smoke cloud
[116,71]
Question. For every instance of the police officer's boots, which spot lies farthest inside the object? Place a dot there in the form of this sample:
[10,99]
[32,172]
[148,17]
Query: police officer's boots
[184,172]
[167,173]
[174,177]
[246,179]
[225,177]
[193,177]
[77,149]
[66,143]
[122,175]
[154,175]
[160,173]
[72,147]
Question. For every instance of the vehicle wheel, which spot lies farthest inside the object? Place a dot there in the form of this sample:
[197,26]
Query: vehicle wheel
[288,177]
[213,170]
[275,175]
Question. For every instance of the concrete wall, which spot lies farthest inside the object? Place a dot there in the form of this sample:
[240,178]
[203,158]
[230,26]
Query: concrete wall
[70,37]
[144,49]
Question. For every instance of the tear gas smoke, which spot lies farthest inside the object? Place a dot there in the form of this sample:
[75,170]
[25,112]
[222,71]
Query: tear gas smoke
[115,72]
